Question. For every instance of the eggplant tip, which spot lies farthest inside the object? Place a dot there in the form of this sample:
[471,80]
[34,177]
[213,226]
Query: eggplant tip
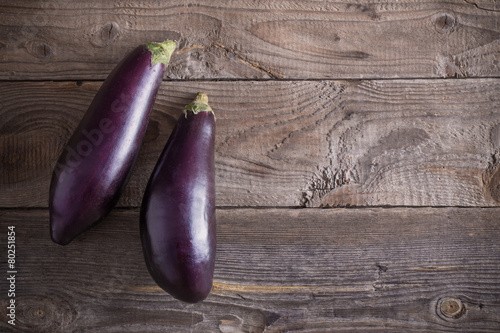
[190,298]
[60,239]
[59,233]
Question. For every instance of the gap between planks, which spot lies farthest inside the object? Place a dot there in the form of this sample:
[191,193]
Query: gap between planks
[201,80]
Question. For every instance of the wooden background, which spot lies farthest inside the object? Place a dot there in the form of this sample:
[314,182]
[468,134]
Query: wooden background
[357,164]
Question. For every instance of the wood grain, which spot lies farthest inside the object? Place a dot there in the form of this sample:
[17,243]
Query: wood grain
[293,143]
[277,270]
[254,39]
[390,107]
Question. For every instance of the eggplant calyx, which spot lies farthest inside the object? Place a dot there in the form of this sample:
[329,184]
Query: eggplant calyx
[161,52]
[199,104]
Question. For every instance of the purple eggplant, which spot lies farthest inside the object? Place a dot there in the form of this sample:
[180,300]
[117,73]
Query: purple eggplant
[97,161]
[177,219]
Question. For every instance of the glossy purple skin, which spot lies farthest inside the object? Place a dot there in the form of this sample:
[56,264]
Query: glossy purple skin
[178,211]
[97,161]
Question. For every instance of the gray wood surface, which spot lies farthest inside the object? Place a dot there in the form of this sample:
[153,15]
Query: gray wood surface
[277,270]
[293,143]
[385,113]
[254,39]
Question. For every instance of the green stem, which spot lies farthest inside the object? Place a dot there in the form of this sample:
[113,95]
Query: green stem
[161,52]
[199,104]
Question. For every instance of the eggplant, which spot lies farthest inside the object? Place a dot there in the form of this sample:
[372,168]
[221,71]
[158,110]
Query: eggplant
[177,218]
[96,163]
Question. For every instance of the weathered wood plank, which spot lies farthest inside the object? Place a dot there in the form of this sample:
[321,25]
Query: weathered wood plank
[254,39]
[277,270]
[298,143]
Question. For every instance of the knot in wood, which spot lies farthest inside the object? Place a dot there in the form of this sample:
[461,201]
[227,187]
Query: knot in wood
[444,23]
[40,313]
[38,49]
[109,32]
[451,307]
[105,34]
